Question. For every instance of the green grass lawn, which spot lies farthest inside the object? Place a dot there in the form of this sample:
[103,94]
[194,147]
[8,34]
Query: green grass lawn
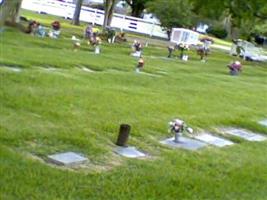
[44,111]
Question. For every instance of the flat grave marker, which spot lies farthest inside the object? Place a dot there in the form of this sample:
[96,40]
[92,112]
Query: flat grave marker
[14,69]
[67,159]
[86,69]
[263,122]
[184,142]
[213,140]
[150,74]
[50,69]
[244,134]
[129,152]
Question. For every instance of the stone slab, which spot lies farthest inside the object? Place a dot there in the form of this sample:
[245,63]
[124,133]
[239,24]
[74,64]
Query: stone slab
[14,69]
[213,140]
[67,159]
[263,122]
[129,152]
[50,69]
[86,69]
[244,134]
[150,74]
[162,72]
[185,143]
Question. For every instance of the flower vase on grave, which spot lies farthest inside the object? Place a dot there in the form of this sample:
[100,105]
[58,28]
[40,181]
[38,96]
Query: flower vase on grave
[177,127]
[97,50]
[185,58]
[176,137]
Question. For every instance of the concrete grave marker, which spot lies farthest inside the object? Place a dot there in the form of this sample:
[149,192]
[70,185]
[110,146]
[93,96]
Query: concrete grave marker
[185,143]
[50,69]
[150,74]
[213,140]
[14,69]
[87,69]
[263,122]
[129,152]
[242,133]
[67,159]
[162,72]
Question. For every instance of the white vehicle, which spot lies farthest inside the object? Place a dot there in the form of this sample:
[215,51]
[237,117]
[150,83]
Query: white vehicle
[248,51]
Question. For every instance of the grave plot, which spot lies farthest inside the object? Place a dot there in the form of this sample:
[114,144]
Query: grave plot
[162,72]
[49,68]
[184,142]
[67,159]
[129,152]
[87,69]
[244,134]
[263,122]
[14,69]
[213,140]
[150,74]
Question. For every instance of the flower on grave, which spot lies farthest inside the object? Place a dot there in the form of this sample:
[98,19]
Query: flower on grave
[182,47]
[235,66]
[56,25]
[179,126]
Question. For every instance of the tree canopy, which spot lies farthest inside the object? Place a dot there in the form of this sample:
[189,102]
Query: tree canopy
[173,13]
[137,6]
[238,17]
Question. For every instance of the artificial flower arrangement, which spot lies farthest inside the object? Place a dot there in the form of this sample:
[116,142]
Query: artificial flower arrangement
[235,67]
[183,47]
[177,127]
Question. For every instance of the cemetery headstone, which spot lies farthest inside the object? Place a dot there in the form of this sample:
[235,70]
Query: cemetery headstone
[129,152]
[86,69]
[67,159]
[213,140]
[184,142]
[263,122]
[244,134]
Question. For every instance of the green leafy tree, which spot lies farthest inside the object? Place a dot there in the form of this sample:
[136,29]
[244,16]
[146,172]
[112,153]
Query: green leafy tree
[173,13]
[137,6]
[238,16]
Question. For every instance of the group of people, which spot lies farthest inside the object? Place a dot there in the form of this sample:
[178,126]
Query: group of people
[36,29]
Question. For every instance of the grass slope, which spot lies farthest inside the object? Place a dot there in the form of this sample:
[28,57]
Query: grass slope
[45,111]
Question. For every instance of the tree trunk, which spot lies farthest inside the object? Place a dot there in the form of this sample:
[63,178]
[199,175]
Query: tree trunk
[9,12]
[111,11]
[76,15]
[109,8]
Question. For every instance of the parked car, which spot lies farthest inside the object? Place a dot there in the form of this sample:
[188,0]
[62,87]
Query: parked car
[247,51]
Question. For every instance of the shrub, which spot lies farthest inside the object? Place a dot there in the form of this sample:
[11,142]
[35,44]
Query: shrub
[217,32]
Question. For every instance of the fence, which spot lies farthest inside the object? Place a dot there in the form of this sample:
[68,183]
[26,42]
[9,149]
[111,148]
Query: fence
[95,16]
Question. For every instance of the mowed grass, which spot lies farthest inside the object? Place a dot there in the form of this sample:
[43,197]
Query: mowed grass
[45,111]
